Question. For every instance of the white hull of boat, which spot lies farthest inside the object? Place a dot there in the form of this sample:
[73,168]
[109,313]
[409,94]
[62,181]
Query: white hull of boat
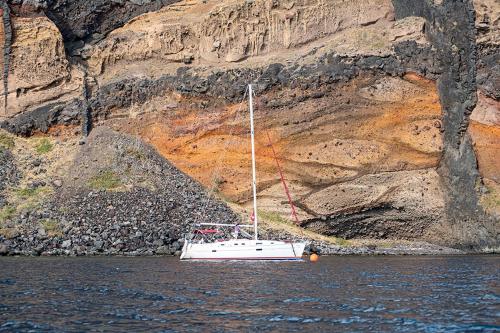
[243,249]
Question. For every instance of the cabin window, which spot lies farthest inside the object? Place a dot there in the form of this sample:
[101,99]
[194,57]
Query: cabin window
[214,250]
[242,243]
[258,249]
[235,243]
[258,243]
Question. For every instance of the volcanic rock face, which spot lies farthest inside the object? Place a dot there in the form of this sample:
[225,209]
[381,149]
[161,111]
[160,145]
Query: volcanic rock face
[82,21]
[485,119]
[367,103]
[328,140]
[39,70]
[230,31]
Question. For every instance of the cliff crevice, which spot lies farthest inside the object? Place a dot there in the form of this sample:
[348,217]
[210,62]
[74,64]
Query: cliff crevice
[7,44]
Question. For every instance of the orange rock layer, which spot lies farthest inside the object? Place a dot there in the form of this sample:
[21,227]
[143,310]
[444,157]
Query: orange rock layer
[487,146]
[367,126]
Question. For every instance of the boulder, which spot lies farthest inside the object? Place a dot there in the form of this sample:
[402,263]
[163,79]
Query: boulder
[4,250]
[162,250]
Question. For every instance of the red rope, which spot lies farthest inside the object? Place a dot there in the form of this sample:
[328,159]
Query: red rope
[283,181]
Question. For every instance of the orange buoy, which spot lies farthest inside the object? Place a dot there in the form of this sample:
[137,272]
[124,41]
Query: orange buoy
[314,257]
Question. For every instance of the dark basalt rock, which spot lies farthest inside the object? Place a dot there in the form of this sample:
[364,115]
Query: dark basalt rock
[9,175]
[7,28]
[488,70]
[4,250]
[91,20]
[451,29]
[380,222]
[40,119]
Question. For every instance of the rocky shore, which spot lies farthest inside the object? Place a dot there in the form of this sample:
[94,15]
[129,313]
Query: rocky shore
[125,239]
[59,247]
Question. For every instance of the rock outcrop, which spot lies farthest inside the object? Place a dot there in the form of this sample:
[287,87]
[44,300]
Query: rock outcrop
[39,72]
[485,119]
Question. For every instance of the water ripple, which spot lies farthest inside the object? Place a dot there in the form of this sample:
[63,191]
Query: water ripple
[356,294]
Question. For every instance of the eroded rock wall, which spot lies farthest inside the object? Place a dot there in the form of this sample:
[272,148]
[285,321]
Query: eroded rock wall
[452,30]
[87,21]
[485,119]
[230,31]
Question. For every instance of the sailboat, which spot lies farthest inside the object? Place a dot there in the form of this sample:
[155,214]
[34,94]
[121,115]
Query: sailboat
[239,248]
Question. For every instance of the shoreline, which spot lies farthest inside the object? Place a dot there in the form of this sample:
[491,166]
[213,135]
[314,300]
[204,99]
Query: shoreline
[305,256]
[321,249]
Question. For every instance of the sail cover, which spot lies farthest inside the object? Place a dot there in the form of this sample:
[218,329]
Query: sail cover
[206,231]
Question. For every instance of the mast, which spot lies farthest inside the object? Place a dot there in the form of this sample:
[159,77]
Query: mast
[254,177]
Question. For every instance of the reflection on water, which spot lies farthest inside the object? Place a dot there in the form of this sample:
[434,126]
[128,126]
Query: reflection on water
[337,294]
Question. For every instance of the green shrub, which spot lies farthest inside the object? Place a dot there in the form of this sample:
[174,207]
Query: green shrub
[6,141]
[44,146]
[106,180]
[26,192]
[136,153]
[28,199]
[7,212]
[51,227]
[273,217]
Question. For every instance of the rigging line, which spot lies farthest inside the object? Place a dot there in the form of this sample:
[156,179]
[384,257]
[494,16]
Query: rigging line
[293,249]
[294,213]
[287,192]
[219,161]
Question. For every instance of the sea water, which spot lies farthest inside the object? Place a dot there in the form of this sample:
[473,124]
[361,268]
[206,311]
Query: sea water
[336,294]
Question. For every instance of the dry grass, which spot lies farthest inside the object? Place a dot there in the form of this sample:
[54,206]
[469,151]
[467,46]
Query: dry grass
[51,227]
[9,232]
[24,199]
[6,213]
[6,141]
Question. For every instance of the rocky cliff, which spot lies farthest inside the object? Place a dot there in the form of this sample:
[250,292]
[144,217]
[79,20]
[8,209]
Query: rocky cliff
[384,113]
